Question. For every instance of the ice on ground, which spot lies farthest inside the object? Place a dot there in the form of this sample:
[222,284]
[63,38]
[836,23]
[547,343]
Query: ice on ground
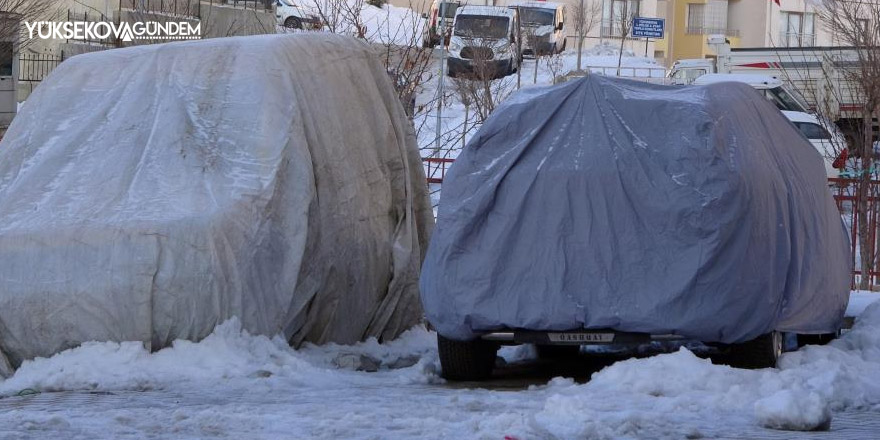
[259,387]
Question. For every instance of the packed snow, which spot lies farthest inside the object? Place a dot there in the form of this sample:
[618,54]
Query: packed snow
[237,385]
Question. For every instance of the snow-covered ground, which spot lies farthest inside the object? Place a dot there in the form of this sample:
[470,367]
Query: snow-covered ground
[235,385]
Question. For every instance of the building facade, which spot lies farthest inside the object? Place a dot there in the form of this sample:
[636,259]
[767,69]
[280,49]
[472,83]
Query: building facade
[745,23]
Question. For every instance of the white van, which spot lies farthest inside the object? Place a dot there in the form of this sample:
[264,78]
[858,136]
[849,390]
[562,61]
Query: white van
[824,136]
[483,42]
[543,26]
[771,87]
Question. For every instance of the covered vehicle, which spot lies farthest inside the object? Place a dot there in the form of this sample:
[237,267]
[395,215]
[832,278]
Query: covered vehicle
[604,210]
[151,193]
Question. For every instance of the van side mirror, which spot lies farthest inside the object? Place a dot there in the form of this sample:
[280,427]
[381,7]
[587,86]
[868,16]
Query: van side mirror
[425,15]
[559,26]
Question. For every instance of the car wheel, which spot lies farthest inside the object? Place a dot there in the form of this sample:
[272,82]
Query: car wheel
[557,352]
[466,360]
[761,352]
[293,23]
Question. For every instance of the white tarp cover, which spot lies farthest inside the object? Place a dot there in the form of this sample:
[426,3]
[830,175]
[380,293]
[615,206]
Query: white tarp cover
[151,193]
[613,204]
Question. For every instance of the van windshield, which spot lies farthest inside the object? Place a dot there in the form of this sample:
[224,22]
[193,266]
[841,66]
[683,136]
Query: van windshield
[536,16]
[784,100]
[481,26]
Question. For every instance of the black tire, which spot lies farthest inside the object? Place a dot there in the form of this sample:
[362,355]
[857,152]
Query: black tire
[293,23]
[820,339]
[761,352]
[466,360]
[557,352]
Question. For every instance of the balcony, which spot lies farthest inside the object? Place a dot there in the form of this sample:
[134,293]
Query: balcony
[793,39]
[690,30]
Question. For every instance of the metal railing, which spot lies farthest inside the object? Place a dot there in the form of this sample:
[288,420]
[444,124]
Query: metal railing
[794,39]
[257,5]
[176,8]
[847,197]
[35,67]
[700,30]
[93,17]
[435,168]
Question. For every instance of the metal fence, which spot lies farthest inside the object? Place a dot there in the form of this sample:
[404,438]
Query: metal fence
[847,197]
[257,5]
[435,168]
[176,8]
[35,67]
[701,30]
[92,17]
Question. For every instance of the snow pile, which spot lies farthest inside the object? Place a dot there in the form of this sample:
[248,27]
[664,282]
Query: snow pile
[859,300]
[227,355]
[258,387]
[229,352]
[798,396]
[794,411]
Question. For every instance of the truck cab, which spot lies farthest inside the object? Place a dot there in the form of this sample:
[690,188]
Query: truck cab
[684,72]
[483,42]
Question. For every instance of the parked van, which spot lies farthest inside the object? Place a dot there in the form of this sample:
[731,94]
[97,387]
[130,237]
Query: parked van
[542,25]
[483,42]
[439,9]
[771,87]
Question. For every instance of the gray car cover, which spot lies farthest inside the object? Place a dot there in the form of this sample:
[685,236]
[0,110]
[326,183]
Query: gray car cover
[150,193]
[610,204]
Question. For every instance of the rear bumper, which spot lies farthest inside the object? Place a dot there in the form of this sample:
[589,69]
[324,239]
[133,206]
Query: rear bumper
[576,337]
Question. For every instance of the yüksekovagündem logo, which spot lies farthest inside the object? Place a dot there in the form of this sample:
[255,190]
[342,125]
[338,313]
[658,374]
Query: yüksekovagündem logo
[102,30]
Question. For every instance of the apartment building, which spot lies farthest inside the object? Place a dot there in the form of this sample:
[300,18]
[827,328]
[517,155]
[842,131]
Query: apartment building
[745,23]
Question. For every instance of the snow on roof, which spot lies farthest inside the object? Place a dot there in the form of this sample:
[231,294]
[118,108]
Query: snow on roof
[532,4]
[484,10]
[759,82]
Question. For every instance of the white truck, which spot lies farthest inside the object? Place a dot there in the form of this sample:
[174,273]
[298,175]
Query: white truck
[542,25]
[818,74]
[483,42]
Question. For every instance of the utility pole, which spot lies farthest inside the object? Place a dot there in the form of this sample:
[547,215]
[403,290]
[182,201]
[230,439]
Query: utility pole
[580,30]
[442,11]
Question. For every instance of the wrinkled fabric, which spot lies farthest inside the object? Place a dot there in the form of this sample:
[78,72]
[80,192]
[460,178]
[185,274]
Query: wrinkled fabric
[610,204]
[151,193]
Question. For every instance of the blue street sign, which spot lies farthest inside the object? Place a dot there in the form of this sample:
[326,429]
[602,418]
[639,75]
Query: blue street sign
[648,27]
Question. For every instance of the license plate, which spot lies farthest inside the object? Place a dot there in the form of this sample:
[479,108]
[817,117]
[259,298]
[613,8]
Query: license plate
[582,338]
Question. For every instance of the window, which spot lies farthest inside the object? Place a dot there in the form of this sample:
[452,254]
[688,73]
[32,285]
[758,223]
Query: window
[695,18]
[615,11]
[707,18]
[813,131]
[484,26]
[796,29]
[6,58]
